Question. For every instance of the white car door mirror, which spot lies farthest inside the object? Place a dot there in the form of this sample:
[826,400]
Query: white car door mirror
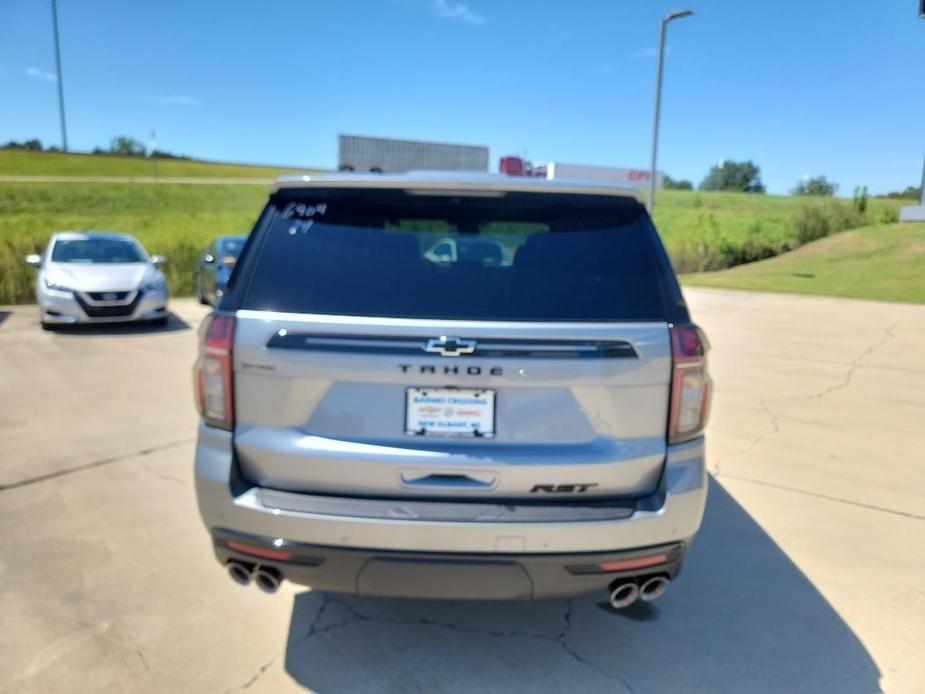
[158,260]
[33,259]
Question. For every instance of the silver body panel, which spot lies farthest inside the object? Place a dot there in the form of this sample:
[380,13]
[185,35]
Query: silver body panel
[331,422]
[678,519]
[478,184]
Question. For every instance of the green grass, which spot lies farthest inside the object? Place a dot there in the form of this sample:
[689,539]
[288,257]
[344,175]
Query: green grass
[177,221]
[711,231]
[22,163]
[702,231]
[883,262]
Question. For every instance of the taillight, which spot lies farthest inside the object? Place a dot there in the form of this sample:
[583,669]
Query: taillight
[264,552]
[690,383]
[637,563]
[213,371]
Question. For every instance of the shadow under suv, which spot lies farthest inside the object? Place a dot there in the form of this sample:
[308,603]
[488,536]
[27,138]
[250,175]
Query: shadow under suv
[521,419]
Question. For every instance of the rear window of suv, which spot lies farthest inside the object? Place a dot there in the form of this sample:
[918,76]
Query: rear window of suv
[517,256]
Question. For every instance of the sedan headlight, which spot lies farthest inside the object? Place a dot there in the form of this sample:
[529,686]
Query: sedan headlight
[57,287]
[158,285]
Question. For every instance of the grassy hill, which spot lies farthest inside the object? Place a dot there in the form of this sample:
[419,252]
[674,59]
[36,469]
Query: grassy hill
[884,262]
[178,221]
[702,231]
[713,231]
[25,163]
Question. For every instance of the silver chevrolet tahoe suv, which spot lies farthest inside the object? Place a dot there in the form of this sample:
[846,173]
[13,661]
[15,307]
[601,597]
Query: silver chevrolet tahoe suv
[452,386]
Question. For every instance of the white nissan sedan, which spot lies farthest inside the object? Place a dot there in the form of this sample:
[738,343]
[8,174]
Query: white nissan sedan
[98,277]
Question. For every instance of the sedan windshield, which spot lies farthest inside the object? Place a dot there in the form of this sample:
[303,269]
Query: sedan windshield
[96,251]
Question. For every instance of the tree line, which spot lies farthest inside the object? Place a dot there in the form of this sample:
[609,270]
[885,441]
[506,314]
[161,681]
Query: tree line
[745,177]
[120,146]
[732,176]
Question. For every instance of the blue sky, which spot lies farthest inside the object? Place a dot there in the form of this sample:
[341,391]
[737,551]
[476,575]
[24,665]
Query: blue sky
[808,86]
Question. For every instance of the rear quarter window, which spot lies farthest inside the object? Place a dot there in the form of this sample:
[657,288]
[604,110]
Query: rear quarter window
[518,257]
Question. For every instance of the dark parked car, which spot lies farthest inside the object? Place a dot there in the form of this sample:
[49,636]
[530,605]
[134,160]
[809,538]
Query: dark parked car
[214,268]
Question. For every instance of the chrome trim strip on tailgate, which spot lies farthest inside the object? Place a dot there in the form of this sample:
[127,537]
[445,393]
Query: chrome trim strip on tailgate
[489,347]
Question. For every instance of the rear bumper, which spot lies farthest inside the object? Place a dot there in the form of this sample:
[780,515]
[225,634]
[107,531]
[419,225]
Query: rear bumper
[444,575]
[538,549]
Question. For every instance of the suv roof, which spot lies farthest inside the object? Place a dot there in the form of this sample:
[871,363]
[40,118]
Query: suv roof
[452,181]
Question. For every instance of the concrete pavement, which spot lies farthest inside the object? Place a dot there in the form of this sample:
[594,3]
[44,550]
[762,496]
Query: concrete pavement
[808,573]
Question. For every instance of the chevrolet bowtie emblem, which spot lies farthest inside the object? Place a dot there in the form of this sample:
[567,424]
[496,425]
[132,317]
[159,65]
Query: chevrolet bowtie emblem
[450,346]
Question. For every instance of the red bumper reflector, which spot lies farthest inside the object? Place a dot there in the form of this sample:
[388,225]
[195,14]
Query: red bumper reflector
[259,551]
[635,563]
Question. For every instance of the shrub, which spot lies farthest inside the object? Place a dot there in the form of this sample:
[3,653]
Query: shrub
[759,245]
[817,185]
[669,183]
[182,256]
[860,199]
[887,215]
[684,257]
[811,223]
[741,176]
[846,216]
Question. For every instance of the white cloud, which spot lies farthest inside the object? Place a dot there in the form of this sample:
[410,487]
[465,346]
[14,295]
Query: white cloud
[175,100]
[448,9]
[41,74]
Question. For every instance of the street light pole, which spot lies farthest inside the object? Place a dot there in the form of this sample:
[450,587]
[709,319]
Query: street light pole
[922,191]
[677,14]
[54,17]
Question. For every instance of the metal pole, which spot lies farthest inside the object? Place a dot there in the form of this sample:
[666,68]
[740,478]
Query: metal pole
[658,109]
[922,200]
[677,14]
[54,16]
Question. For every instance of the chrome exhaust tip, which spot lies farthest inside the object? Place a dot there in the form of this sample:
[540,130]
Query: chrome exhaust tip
[653,588]
[268,579]
[240,573]
[623,595]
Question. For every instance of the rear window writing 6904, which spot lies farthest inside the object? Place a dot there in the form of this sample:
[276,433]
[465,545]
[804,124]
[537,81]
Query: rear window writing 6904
[523,256]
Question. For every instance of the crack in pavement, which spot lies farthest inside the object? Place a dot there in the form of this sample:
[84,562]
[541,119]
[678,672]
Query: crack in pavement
[774,417]
[257,676]
[141,657]
[89,466]
[312,630]
[828,497]
[357,617]
[774,420]
[856,363]
[167,478]
[834,362]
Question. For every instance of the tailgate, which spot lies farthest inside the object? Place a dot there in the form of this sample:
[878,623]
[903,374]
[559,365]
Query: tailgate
[576,408]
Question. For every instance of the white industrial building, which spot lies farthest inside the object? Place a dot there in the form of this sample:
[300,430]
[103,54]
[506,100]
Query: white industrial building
[387,155]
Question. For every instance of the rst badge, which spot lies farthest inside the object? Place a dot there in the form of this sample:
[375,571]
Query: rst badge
[562,488]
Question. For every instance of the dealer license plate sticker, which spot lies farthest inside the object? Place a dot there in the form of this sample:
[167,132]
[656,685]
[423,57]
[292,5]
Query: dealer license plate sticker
[460,412]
